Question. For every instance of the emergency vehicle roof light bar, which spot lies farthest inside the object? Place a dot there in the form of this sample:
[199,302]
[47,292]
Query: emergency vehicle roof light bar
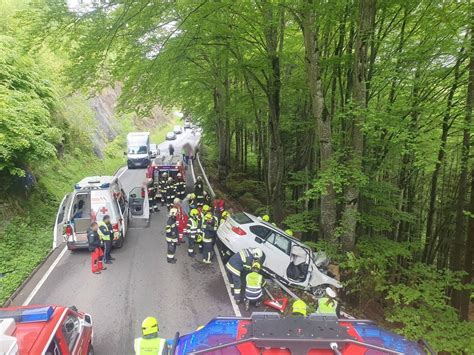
[29,315]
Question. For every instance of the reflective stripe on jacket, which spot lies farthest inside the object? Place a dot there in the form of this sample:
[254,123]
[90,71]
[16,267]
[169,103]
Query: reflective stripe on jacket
[150,346]
[192,228]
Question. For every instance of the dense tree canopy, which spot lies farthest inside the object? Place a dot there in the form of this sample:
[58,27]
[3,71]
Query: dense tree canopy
[356,116]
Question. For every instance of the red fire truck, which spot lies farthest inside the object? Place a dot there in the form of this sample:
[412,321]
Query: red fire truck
[51,330]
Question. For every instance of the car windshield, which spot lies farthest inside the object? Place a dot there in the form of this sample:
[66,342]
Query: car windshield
[241,218]
[137,150]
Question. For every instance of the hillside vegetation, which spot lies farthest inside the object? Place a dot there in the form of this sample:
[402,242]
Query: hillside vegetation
[51,136]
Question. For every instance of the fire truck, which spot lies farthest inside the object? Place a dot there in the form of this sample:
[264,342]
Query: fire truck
[49,330]
[171,164]
[272,333]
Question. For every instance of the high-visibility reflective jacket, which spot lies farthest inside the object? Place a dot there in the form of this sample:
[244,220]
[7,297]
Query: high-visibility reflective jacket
[180,187]
[240,261]
[254,286]
[105,231]
[326,306]
[150,346]
[192,229]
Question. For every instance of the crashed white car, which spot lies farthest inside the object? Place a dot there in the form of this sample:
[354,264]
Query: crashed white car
[286,258]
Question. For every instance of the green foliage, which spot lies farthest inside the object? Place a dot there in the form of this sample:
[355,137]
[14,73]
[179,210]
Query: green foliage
[302,222]
[420,305]
[238,184]
[26,102]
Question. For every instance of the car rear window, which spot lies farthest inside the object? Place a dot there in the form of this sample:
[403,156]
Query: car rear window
[241,218]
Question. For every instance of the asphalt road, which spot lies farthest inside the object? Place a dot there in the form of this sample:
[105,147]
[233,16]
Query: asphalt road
[139,283]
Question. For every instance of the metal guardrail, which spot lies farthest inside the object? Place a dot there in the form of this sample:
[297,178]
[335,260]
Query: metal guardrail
[206,180]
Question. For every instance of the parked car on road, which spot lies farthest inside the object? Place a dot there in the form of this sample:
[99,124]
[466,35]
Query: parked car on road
[48,330]
[92,198]
[170,136]
[178,129]
[154,150]
[287,259]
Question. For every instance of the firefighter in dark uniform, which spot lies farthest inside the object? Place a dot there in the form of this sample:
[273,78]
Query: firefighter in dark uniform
[208,237]
[207,198]
[237,264]
[192,230]
[171,236]
[162,187]
[180,186]
[153,203]
[199,191]
[170,193]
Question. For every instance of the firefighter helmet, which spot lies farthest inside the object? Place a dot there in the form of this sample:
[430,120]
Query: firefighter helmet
[206,208]
[330,292]
[289,232]
[257,253]
[194,212]
[266,218]
[149,326]
[208,216]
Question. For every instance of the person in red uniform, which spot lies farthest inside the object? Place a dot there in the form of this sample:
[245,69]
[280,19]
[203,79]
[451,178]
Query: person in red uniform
[181,219]
[95,248]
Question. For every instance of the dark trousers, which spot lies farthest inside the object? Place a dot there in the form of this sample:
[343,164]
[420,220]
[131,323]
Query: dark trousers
[235,284]
[207,251]
[171,249]
[191,244]
[107,250]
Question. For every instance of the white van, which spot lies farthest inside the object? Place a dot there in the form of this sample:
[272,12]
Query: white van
[138,149]
[93,198]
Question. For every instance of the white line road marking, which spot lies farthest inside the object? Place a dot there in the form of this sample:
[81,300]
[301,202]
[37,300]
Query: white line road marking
[122,172]
[44,278]
[227,284]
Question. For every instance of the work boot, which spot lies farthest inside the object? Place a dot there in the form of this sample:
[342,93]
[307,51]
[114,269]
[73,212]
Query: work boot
[247,305]
[97,272]
[172,261]
[238,301]
[206,262]
[191,255]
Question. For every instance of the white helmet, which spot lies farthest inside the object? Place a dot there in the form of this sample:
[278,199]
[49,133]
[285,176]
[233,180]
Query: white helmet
[257,253]
[176,200]
[330,292]
[173,212]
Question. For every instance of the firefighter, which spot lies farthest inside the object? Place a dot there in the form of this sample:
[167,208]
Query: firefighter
[199,191]
[239,262]
[208,237]
[180,187]
[328,305]
[162,187]
[170,193]
[153,204]
[95,249]
[150,343]
[266,218]
[254,283]
[224,217]
[207,198]
[192,230]
[171,236]
[106,234]
[299,308]
[289,232]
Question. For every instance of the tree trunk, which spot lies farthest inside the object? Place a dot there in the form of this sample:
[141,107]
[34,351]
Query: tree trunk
[430,241]
[366,20]
[222,133]
[273,29]
[321,116]
[456,254]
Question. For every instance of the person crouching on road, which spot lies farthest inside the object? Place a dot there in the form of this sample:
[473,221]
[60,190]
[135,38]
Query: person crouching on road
[106,234]
[95,248]
[208,237]
[238,263]
[150,343]
[192,230]
[171,236]
[254,283]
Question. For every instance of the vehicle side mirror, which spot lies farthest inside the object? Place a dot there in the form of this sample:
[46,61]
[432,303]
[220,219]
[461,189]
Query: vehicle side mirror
[87,319]
[259,240]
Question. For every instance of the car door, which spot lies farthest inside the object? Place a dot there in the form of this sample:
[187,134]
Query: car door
[281,249]
[61,219]
[138,207]
[261,234]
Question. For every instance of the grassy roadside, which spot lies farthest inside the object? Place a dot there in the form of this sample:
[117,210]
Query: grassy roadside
[158,135]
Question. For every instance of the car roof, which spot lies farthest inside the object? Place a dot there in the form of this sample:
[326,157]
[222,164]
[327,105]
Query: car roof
[32,337]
